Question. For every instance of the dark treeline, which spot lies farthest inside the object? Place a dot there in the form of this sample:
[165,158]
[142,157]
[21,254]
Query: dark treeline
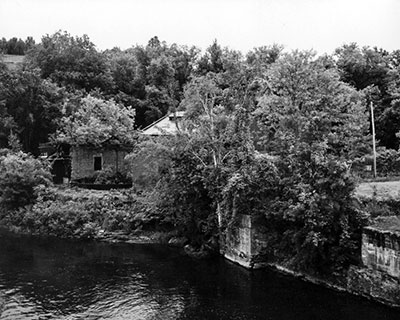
[16,46]
[151,78]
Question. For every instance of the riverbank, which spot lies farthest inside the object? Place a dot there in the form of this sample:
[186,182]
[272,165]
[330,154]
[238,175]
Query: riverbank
[112,216]
[373,273]
[85,214]
[381,288]
[64,279]
[124,217]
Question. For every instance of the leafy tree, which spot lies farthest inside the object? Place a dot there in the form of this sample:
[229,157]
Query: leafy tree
[96,121]
[29,106]
[151,78]
[307,105]
[72,62]
[191,172]
[313,124]
[372,67]
[259,59]
[212,141]
[16,46]
[211,61]
[362,67]
[207,119]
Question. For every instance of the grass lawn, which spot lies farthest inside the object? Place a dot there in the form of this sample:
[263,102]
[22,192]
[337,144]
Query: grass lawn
[384,189]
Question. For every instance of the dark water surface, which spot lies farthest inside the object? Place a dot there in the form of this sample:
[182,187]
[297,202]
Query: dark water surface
[55,279]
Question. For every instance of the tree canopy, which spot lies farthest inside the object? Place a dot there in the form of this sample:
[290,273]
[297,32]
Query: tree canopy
[151,78]
[95,121]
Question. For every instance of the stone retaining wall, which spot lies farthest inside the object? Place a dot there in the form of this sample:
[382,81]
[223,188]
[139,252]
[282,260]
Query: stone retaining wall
[379,278]
[380,251]
[245,243]
[374,284]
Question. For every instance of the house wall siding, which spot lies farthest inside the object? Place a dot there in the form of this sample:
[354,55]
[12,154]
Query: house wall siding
[83,161]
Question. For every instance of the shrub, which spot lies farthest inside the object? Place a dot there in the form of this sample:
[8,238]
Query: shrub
[108,176]
[69,219]
[73,214]
[21,177]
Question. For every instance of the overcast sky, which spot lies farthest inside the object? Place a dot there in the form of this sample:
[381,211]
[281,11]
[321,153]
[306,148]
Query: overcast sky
[322,25]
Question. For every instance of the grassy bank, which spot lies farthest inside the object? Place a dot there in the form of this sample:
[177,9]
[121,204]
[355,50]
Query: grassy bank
[90,214]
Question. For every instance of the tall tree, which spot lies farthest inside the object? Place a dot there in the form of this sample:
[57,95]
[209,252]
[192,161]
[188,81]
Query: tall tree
[151,78]
[314,124]
[372,67]
[306,105]
[73,62]
[29,107]
[211,61]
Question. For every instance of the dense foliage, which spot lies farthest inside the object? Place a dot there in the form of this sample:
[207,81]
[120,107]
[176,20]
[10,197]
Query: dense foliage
[82,214]
[21,178]
[309,124]
[95,121]
[273,134]
[151,79]
[16,46]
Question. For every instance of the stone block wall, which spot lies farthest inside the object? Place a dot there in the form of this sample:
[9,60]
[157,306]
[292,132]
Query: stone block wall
[379,278]
[82,160]
[245,243]
[380,250]
[373,283]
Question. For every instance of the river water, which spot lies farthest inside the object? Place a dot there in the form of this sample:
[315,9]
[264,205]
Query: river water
[58,279]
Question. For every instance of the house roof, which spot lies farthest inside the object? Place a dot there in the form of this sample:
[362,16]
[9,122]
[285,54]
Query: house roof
[165,126]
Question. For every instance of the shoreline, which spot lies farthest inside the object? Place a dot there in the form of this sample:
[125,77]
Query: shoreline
[170,240]
[344,284]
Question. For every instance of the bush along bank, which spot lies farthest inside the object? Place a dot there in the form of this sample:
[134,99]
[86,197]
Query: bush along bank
[29,203]
[88,214]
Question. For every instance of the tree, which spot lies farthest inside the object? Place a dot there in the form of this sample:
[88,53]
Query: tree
[29,107]
[211,61]
[259,59]
[95,121]
[216,138]
[206,118]
[151,78]
[372,67]
[314,124]
[305,104]
[72,62]
[16,46]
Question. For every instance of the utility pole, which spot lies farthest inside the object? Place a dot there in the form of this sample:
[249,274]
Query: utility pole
[373,136]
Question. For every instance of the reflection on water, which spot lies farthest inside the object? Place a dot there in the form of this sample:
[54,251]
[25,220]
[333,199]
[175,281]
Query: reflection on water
[54,279]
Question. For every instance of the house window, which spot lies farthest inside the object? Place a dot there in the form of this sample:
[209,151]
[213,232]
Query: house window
[97,163]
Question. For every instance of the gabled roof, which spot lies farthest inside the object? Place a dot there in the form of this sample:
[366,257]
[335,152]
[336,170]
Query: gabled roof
[167,125]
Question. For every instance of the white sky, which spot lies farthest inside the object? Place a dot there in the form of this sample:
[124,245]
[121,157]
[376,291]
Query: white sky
[322,25]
